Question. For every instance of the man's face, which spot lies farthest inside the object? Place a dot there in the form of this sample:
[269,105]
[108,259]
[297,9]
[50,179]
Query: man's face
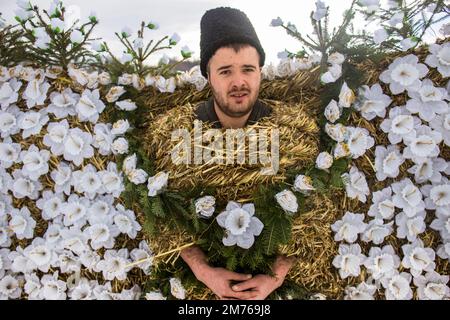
[235,78]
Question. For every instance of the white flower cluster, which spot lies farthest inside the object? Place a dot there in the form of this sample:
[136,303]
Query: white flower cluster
[416,131]
[75,198]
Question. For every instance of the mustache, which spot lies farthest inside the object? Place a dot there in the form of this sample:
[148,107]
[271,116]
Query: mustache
[244,90]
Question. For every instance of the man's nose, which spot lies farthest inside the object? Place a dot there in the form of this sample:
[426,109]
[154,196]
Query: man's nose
[238,81]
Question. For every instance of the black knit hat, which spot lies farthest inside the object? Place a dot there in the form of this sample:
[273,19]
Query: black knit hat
[223,26]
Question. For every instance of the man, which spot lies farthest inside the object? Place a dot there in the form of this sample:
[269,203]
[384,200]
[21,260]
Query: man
[231,60]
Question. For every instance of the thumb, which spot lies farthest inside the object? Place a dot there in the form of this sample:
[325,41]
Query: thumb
[238,276]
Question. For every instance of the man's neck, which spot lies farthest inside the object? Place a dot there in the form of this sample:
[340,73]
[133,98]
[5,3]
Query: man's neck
[230,122]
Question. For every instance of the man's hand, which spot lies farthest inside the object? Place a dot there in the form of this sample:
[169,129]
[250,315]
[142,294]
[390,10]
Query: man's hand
[261,286]
[219,281]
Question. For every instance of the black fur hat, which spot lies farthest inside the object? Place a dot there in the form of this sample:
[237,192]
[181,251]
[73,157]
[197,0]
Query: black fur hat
[223,26]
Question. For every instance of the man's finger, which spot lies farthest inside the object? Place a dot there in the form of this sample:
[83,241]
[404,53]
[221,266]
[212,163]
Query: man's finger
[238,276]
[245,285]
[244,295]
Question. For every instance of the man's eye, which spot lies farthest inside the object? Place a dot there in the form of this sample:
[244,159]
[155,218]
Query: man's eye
[249,70]
[224,72]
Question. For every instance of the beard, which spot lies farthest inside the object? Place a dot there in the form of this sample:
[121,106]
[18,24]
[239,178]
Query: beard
[235,110]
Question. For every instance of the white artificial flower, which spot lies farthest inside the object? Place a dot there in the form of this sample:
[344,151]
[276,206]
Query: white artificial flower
[382,206]
[377,231]
[10,288]
[120,146]
[75,210]
[356,184]
[165,85]
[286,67]
[441,124]
[104,79]
[120,127]
[9,121]
[443,251]
[83,290]
[349,260]
[89,106]
[407,44]
[346,96]
[157,183]
[321,10]
[25,187]
[53,288]
[332,111]
[437,196]
[102,235]
[5,262]
[93,80]
[101,210]
[404,74]
[336,58]
[358,141]
[341,150]
[154,295]
[372,102]
[53,233]
[31,122]
[177,289]
[125,220]
[103,292]
[126,57]
[126,105]
[336,131]
[136,176]
[442,221]
[5,181]
[112,180]
[87,181]
[9,93]
[63,103]
[269,71]
[62,176]
[141,253]
[205,206]
[114,93]
[407,197]
[41,254]
[76,36]
[349,227]
[125,79]
[387,162]
[288,201]
[36,92]
[32,286]
[9,153]
[240,223]
[423,144]
[439,58]
[103,138]
[22,224]
[400,125]
[5,207]
[417,258]
[363,291]
[5,236]
[408,227]
[50,204]
[429,170]
[427,101]
[80,76]
[77,146]
[333,73]
[432,286]
[382,262]
[276,22]
[53,72]
[370,6]
[303,184]
[324,161]
[56,136]
[380,35]
[90,259]
[35,162]
[397,286]
[114,264]
[75,240]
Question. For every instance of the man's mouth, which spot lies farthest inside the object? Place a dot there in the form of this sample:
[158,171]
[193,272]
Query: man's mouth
[238,94]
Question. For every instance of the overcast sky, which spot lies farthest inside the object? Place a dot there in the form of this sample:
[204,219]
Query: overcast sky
[183,17]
